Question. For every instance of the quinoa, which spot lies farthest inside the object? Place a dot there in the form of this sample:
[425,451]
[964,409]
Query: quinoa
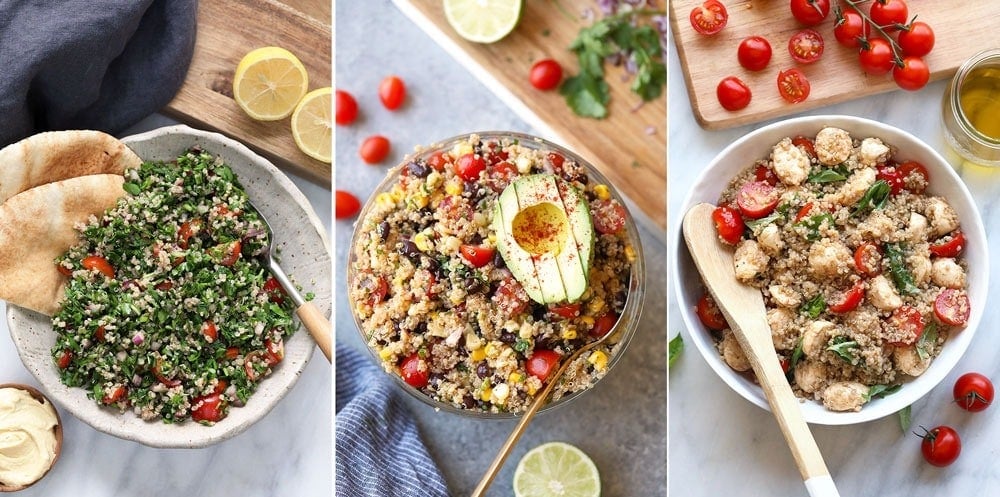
[168,311]
[463,332]
[860,268]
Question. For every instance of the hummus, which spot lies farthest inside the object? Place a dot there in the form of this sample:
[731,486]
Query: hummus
[27,438]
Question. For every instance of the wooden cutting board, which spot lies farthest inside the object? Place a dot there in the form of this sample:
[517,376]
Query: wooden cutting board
[227,30]
[629,146]
[960,30]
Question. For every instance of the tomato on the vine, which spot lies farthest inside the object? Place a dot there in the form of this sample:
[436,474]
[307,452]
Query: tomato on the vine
[733,93]
[347,108]
[374,149]
[973,392]
[392,92]
[709,17]
[889,14]
[754,53]
[806,46]
[917,39]
[941,446]
[850,27]
[810,12]
[876,56]
[912,75]
[793,85]
[545,74]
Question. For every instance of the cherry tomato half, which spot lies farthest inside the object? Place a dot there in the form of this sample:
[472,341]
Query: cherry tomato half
[608,215]
[210,331]
[914,176]
[114,395]
[875,56]
[603,324]
[728,223]
[477,255]
[709,314]
[275,293]
[374,149]
[347,108]
[849,300]
[912,75]
[917,40]
[566,311]
[949,245]
[541,363]
[941,445]
[230,253]
[754,53]
[793,85]
[766,174]
[908,320]
[545,74]
[850,27]
[757,199]
[709,18]
[208,408]
[806,144]
[952,307]
[469,166]
[806,46]
[98,263]
[733,93]
[890,14]
[414,371]
[803,211]
[347,205]
[392,92]
[274,350]
[810,12]
[973,392]
[868,259]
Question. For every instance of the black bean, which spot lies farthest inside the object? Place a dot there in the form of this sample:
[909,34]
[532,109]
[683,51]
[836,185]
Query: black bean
[409,249]
[383,230]
[473,285]
[498,260]
[483,370]
[469,401]
[418,169]
[538,311]
[508,337]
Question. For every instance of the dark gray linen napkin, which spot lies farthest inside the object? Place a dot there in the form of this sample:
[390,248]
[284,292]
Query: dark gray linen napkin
[90,64]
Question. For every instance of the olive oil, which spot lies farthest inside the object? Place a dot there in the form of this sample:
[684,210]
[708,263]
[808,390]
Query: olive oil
[971,111]
[979,97]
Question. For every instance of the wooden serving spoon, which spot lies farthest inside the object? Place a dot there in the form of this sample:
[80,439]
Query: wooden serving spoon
[743,307]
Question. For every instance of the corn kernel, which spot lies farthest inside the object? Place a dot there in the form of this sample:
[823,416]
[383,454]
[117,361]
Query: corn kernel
[587,321]
[486,392]
[453,187]
[492,350]
[602,192]
[478,355]
[630,253]
[569,333]
[385,199]
[420,200]
[461,149]
[397,193]
[595,306]
[423,242]
[515,377]
[385,354]
[531,388]
[434,179]
[598,359]
[492,238]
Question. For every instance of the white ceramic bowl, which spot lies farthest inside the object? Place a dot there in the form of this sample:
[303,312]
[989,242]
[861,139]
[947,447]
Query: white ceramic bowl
[305,255]
[944,181]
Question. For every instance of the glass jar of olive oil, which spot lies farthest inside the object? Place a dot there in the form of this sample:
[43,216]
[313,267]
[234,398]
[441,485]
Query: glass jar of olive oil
[972,110]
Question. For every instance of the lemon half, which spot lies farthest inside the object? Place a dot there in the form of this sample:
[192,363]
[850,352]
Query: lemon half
[269,82]
[483,21]
[312,124]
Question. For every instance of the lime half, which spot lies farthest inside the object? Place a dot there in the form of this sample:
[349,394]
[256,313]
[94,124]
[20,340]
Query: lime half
[483,21]
[556,469]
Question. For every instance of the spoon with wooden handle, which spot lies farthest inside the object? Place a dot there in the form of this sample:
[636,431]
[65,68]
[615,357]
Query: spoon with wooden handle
[743,307]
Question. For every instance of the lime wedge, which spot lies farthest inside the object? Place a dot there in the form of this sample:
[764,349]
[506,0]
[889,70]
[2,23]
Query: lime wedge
[483,21]
[556,469]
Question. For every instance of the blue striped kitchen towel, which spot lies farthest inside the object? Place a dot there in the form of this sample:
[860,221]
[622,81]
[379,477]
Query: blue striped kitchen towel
[379,450]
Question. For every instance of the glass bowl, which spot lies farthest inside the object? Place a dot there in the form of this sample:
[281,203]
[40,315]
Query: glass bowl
[626,324]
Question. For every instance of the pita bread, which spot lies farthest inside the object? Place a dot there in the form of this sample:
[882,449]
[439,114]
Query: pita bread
[58,155]
[36,227]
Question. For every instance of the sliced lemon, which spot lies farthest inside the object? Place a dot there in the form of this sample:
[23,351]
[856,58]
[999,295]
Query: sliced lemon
[556,469]
[269,82]
[483,21]
[312,124]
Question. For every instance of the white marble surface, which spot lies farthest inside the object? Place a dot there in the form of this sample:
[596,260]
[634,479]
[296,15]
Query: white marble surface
[288,453]
[720,444]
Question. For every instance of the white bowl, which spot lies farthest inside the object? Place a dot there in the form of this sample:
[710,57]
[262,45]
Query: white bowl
[298,234]
[944,181]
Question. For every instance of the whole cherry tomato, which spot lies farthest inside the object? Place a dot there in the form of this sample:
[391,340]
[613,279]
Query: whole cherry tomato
[810,12]
[754,53]
[876,56]
[890,14]
[850,27]
[917,40]
[913,74]
[709,17]
[374,149]
[392,92]
[733,93]
[973,392]
[545,74]
[347,108]
[941,446]
[347,205]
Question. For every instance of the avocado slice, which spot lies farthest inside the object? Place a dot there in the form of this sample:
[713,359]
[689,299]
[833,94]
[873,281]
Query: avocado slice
[545,235]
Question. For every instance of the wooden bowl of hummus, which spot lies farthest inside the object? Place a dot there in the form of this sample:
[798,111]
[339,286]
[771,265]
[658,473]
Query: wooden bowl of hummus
[31,436]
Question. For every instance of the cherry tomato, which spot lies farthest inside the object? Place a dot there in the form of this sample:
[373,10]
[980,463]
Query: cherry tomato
[556,160]
[733,93]
[917,40]
[876,57]
[437,161]
[949,245]
[545,74]
[914,176]
[941,446]
[709,314]
[255,357]
[347,108]
[100,333]
[510,296]
[728,223]
[973,392]
[803,212]
[161,376]
[392,92]
[754,53]
[766,174]
[230,252]
[850,27]
[414,371]
[374,149]
[63,270]
[908,320]
[210,331]
[477,255]
[952,307]
[603,324]
[849,300]
[274,351]
[232,353]
[566,311]
[347,205]
[806,145]
[186,231]
[793,85]
[609,216]
[275,293]
[114,395]
[65,359]
[868,259]
[810,12]
[378,288]
[709,18]
[98,263]
[469,166]
[913,75]
[541,363]
[757,199]
[806,46]
[208,408]
[891,175]
[889,13]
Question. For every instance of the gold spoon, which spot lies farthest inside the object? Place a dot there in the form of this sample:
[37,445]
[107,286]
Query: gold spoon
[743,307]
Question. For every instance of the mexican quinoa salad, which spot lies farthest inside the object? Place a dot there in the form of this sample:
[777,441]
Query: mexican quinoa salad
[168,312]
[483,264]
[862,270]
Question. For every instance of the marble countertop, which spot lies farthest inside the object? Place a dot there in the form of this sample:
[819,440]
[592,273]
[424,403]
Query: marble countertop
[720,444]
[443,99]
[288,452]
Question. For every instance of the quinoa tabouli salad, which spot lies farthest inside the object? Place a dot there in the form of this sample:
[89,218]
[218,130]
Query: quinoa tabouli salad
[485,263]
[168,311]
[862,270]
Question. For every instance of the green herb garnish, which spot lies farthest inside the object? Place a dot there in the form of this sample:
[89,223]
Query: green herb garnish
[675,348]
[877,391]
[898,270]
[927,340]
[830,175]
[813,223]
[814,307]
[875,198]
[843,347]
[796,356]
[904,418]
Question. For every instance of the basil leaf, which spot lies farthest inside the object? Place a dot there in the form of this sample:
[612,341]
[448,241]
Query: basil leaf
[843,347]
[875,198]
[796,356]
[675,349]
[927,340]
[826,176]
[898,270]
[132,188]
[877,391]
[813,224]
[814,307]
[904,418]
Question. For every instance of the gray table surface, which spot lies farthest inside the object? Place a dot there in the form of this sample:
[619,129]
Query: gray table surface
[622,422]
